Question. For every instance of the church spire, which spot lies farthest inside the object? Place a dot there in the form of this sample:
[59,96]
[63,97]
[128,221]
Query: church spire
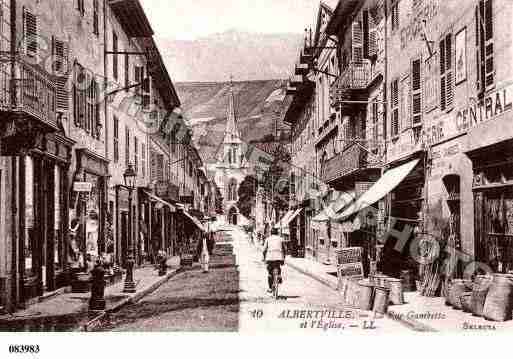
[232,132]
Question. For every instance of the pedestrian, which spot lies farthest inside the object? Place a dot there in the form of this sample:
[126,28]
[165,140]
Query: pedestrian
[204,256]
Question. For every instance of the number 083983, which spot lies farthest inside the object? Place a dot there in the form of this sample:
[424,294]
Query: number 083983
[24,349]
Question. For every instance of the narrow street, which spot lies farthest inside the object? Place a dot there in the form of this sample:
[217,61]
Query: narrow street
[232,297]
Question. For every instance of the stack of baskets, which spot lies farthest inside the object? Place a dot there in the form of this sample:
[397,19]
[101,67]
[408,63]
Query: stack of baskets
[488,296]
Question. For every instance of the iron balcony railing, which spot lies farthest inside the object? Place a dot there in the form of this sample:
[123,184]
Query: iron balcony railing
[34,92]
[356,76]
[353,158]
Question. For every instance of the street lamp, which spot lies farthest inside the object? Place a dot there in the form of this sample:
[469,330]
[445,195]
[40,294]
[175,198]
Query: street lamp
[129,177]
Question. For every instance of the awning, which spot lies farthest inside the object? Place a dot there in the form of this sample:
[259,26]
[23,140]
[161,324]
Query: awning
[194,220]
[287,218]
[390,180]
[160,200]
[283,220]
[343,200]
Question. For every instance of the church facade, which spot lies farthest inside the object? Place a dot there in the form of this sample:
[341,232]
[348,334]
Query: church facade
[231,166]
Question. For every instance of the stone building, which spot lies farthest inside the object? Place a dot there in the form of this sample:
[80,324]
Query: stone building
[92,95]
[417,130]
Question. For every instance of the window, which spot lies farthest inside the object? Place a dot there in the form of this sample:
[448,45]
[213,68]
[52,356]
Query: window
[96,27]
[127,72]
[416,95]
[485,47]
[30,33]
[394,94]
[127,146]
[394,10]
[136,155]
[86,109]
[116,139]
[60,69]
[81,6]
[357,41]
[160,167]
[374,123]
[115,55]
[190,169]
[143,159]
[446,73]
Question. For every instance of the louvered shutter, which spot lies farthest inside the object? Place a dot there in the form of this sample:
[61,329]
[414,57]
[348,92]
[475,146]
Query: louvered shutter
[446,73]
[357,42]
[373,42]
[449,71]
[489,61]
[395,107]
[153,160]
[416,102]
[60,54]
[30,32]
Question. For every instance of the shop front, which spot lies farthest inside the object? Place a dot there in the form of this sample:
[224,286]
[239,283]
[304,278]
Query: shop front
[493,205]
[88,212]
[43,201]
[157,220]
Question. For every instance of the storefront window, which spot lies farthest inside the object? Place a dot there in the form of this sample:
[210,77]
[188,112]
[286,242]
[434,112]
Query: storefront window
[30,234]
[57,226]
[92,221]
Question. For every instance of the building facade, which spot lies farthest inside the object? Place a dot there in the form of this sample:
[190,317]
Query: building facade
[93,98]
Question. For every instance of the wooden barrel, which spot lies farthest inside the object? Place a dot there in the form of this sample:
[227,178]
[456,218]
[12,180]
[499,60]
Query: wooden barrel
[408,280]
[396,291]
[479,292]
[366,295]
[381,299]
[458,287]
[499,300]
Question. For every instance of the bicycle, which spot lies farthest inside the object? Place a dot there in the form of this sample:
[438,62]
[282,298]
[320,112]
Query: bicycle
[276,282]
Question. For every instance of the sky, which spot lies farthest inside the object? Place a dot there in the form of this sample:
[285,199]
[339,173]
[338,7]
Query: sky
[192,19]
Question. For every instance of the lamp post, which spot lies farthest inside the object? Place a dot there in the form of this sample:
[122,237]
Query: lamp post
[129,178]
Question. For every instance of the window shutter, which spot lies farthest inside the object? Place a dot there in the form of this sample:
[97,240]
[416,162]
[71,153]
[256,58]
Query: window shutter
[365,24]
[489,61]
[373,42]
[446,73]
[449,70]
[416,92]
[30,29]
[60,55]
[153,164]
[395,107]
[127,72]
[357,42]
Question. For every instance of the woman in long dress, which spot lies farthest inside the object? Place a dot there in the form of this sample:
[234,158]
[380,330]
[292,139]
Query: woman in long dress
[204,256]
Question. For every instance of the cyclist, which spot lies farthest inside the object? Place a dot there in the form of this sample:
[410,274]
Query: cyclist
[274,255]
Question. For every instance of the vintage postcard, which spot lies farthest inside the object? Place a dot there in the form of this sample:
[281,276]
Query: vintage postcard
[272,166]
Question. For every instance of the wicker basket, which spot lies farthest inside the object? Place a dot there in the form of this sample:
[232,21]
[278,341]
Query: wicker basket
[499,300]
[466,302]
[479,292]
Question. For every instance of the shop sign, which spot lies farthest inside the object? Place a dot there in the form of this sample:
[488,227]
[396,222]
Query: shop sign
[82,186]
[349,255]
[487,108]
[350,270]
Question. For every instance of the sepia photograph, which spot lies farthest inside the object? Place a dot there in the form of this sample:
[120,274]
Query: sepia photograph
[268,167]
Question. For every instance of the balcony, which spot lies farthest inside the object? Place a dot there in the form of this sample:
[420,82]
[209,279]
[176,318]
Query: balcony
[351,161]
[352,84]
[27,106]
[34,93]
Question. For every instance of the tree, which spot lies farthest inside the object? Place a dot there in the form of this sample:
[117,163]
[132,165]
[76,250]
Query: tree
[247,195]
[276,180]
